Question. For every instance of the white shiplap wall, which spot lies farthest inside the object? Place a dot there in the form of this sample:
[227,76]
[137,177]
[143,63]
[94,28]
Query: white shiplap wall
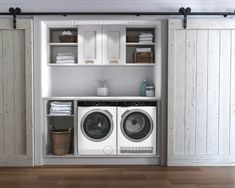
[201,106]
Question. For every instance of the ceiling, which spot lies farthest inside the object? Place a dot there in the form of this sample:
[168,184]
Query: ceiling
[117,5]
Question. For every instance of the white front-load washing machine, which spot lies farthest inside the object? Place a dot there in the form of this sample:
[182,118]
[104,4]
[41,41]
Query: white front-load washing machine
[137,129]
[97,130]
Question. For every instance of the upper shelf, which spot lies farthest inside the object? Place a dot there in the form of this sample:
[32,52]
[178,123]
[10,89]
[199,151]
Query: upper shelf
[62,44]
[139,44]
[103,65]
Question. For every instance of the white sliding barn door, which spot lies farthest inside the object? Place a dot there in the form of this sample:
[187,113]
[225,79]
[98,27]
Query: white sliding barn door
[15,93]
[201,93]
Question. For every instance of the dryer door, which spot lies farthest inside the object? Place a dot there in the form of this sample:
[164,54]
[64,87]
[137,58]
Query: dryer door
[97,125]
[136,125]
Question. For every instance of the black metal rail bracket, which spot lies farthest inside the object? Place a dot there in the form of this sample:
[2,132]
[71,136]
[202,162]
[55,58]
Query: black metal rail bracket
[182,11]
[14,12]
[185,12]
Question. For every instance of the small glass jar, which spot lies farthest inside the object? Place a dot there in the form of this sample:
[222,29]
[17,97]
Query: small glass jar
[150,91]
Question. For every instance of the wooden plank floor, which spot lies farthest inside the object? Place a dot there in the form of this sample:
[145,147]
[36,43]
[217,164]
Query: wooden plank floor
[118,177]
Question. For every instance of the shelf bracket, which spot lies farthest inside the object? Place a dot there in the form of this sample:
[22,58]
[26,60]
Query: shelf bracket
[185,13]
[14,12]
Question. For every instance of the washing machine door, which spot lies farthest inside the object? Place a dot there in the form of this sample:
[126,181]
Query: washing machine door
[136,125]
[97,125]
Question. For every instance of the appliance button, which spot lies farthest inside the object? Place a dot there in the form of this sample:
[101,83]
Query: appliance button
[108,150]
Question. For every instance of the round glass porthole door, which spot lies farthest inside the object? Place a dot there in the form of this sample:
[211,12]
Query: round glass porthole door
[97,125]
[136,125]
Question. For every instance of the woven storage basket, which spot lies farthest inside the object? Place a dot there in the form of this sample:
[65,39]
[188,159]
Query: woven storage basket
[143,57]
[61,141]
[68,38]
[132,39]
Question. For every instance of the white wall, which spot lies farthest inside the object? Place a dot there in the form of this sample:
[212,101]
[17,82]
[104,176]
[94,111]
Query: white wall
[117,5]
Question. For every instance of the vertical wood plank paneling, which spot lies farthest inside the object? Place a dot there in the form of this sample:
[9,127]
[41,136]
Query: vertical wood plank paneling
[20,105]
[1,100]
[213,91]
[8,68]
[171,91]
[179,87]
[232,104]
[201,93]
[190,93]
[29,97]
[224,100]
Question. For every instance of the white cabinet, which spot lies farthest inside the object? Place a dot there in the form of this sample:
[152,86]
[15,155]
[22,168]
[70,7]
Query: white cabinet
[101,44]
[89,44]
[114,39]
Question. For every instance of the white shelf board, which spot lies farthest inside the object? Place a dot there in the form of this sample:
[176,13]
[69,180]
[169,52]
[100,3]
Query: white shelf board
[107,98]
[48,115]
[63,44]
[60,156]
[102,65]
[139,44]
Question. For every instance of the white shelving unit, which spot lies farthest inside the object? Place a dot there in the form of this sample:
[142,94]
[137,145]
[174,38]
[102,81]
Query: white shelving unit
[105,45]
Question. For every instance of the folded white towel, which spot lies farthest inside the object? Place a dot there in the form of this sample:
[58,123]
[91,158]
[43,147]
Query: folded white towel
[146,35]
[146,42]
[60,114]
[58,103]
[143,49]
[60,108]
[64,54]
[146,38]
[65,61]
[65,58]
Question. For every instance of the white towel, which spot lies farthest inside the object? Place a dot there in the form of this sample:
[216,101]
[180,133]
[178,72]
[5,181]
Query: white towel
[58,103]
[60,108]
[143,49]
[146,38]
[147,42]
[146,35]
[64,54]
[65,57]
[65,61]
[60,114]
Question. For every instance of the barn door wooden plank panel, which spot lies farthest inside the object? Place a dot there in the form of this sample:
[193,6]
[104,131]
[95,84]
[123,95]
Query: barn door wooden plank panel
[1,100]
[19,98]
[213,92]
[232,92]
[179,108]
[224,95]
[16,130]
[190,94]
[201,93]
[9,87]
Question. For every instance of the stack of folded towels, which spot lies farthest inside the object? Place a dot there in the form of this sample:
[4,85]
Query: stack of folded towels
[146,37]
[61,108]
[65,58]
[143,50]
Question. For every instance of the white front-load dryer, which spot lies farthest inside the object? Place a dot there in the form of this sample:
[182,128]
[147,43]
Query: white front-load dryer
[97,130]
[137,130]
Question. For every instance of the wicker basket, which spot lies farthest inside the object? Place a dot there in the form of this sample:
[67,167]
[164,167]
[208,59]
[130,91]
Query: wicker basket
[132,39]
[143,57]
[61,141]
[68,38]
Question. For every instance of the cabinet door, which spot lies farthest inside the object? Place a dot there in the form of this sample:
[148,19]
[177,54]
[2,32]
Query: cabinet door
[89,44]
[16,127]
[114,44]
[201,93]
